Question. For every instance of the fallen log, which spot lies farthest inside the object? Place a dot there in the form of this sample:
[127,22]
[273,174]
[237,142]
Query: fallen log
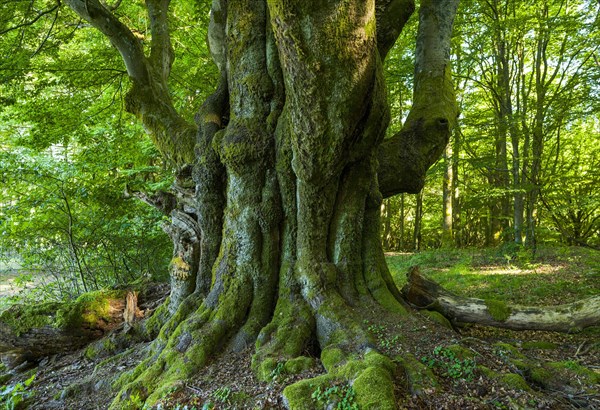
[424,293]
[29,332]
[48,328]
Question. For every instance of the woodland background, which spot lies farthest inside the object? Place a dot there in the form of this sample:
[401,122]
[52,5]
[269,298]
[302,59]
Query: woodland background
[522,167]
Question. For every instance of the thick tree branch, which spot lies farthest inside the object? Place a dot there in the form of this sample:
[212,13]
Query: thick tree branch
[119,35]
[405,158]
[161,52]
[391,17]
[216,34]
[149,98]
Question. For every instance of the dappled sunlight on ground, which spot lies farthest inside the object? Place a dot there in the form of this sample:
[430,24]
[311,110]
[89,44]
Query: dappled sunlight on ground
[541,269]
[555,276]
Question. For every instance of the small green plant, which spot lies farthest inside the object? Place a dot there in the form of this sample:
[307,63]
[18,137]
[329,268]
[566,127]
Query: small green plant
[340,396]
[277,371]
[15,397]
[222,394]
[135,402]
[446,361]
[379,332]
[389,342]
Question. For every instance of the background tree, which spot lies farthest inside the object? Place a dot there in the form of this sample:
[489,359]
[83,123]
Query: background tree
[496,48]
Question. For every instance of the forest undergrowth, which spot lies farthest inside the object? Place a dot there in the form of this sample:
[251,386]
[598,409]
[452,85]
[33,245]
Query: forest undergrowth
[469,367]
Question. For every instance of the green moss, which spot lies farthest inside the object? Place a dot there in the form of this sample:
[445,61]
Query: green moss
[506,349]
[420,377]
[569,366]
[486,371]
[514,381]
[385,297]
[180,268]
[298,396]
[374,389]
[374,358]
[370,27]
[540,376]
[522,365]
[351,369]
[539,345]
[22,318]
[265,369]
[461,352]
[87,309]
[102,347]
[299,364]
[438,318]
[331,357]
[511,380]
[285,337]
[243,144]
[498,309]
[91,352]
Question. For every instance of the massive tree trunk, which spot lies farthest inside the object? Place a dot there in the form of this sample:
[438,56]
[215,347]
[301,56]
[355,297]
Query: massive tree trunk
[276,222]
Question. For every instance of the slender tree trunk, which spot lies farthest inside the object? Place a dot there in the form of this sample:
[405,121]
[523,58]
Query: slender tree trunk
[456,210]
[537,137]
[402,244]
[416,238]
[500,210]
[386,215]
[447,198]
[515,135]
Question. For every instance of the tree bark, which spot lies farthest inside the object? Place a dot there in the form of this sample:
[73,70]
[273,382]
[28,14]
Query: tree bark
[424,293]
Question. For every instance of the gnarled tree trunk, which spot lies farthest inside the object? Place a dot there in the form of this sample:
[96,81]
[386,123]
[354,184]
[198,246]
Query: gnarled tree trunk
[276,227]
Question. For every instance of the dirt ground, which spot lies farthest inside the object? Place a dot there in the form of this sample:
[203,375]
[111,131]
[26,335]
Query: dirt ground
[74,382]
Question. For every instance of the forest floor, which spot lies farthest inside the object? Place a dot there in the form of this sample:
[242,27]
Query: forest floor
[475,367]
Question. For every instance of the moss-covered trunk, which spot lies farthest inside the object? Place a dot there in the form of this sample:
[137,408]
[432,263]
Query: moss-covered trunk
[276,223]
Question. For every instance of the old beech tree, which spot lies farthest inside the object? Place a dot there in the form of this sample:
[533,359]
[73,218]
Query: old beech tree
[275,209]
